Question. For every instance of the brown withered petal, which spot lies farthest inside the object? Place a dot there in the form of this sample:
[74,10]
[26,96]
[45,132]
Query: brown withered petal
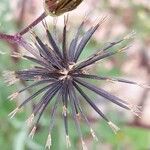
[61,75]
[58,7]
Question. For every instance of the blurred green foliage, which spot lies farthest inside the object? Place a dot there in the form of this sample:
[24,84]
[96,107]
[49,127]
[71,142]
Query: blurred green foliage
[14,133]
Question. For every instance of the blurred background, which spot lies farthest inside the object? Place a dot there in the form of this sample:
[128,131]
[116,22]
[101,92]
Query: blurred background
[124,16]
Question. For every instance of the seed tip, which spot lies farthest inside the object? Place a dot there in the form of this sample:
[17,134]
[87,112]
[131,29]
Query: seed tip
[13,113]
[144,86]
[17,55]
[30,120]
[130,35]
[13,96]
[10,77]
[84,147]
[32,133]
[64,110]
[48,142]
[113,127]
[68,141]
[94,135]
[136,110]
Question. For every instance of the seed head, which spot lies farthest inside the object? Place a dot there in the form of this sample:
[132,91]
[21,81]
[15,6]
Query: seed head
[59,74]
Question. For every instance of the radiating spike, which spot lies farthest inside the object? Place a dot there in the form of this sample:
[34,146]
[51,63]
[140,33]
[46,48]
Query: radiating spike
[48,142]
[105,94]
[30,120]
[84,41]
[13,113]
[13,96]
[109,79]
[64,42]
[90,102]
[32,133]
[113,127]
[83,115]
[68,141]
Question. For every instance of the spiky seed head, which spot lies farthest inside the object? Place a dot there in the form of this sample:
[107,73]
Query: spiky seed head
[60,70]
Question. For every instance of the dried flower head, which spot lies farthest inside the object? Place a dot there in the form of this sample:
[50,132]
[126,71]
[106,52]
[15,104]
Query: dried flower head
[59,74]
[58,7]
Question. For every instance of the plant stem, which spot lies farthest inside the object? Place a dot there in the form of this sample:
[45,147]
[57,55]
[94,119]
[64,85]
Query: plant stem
[34,23]
[10,38]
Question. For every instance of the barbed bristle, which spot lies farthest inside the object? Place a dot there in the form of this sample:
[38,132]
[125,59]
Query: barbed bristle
[66,19]
[136,110]
[17,55]
[93,134]
[101,21]
[10,77]
[123,49]
[8,73]
[144,86]
[68,141]
[32,133]
[13,96]
[130,35]
[44,23]
[64,110]
[113,127]
[32,36]
[84,147]
[29,121]
[13,113]
[48,142]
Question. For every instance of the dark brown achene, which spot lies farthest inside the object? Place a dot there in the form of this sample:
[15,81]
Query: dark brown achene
[58,7]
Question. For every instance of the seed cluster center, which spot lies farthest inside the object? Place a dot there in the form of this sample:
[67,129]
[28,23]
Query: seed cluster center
[65,73]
